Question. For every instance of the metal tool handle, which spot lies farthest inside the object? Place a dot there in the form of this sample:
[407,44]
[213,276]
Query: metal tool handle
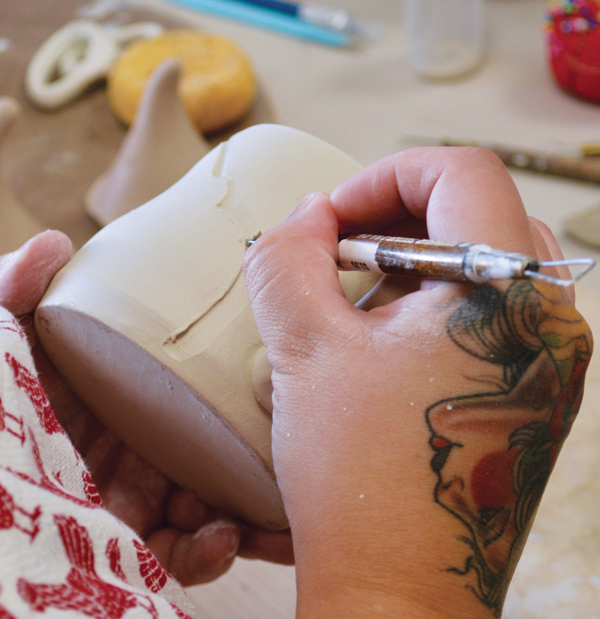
[459,262]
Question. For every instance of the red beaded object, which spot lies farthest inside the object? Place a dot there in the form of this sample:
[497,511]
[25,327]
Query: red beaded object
[573,39]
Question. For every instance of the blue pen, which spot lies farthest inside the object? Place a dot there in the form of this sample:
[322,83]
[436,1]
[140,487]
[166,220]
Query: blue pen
[266,18]
[337,19]
[276,5]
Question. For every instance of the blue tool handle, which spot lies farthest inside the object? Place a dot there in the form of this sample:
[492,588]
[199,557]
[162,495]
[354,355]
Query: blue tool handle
[276,5]
[264,18]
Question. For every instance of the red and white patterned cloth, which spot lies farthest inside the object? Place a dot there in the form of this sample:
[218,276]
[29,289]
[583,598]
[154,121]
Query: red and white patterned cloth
[61,553]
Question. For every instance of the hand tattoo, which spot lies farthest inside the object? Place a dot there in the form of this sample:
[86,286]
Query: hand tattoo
[495,450]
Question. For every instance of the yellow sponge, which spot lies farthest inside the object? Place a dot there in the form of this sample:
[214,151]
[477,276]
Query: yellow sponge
[217,84]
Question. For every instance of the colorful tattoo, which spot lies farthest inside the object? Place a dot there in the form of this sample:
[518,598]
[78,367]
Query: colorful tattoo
[495,450]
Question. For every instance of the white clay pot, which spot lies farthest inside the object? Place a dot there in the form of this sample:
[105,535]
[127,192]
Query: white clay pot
[151,325]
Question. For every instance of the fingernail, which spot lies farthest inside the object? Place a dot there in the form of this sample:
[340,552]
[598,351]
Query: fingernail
[304,204]
[226,531]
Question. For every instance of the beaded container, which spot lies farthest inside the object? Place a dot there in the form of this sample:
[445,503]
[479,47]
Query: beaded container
[573,43]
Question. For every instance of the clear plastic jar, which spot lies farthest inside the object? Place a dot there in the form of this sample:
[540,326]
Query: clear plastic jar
[446,37]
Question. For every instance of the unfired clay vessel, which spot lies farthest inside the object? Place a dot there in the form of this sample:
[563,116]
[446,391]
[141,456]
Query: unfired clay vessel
[16,224]
[151,324]
[160,147]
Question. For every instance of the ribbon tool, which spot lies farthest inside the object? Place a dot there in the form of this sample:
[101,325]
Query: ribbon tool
[584,166]
[459,262]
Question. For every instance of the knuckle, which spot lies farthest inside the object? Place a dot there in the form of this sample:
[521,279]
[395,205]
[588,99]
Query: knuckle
[258,264]
[481,157]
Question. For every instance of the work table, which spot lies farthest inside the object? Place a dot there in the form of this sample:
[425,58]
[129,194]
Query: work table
[367,101]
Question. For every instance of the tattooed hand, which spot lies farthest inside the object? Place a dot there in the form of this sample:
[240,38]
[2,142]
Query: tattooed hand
[413,440]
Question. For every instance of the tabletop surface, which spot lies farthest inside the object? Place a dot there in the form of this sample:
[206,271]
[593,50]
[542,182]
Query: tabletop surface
[364,100]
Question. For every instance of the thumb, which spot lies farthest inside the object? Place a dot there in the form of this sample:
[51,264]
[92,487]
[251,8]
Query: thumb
[292,280]
[26,273]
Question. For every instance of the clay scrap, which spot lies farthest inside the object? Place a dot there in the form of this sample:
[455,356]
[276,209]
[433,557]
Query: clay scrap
[160,147]
[585,226]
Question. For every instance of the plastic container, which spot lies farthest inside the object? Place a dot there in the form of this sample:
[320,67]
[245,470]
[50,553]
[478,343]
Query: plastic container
[446,37]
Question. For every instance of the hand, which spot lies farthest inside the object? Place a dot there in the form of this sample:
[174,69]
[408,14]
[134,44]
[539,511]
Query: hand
[412,441]
[195,543]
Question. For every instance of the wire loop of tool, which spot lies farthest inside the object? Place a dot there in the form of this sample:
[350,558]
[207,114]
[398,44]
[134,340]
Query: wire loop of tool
[588,263]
